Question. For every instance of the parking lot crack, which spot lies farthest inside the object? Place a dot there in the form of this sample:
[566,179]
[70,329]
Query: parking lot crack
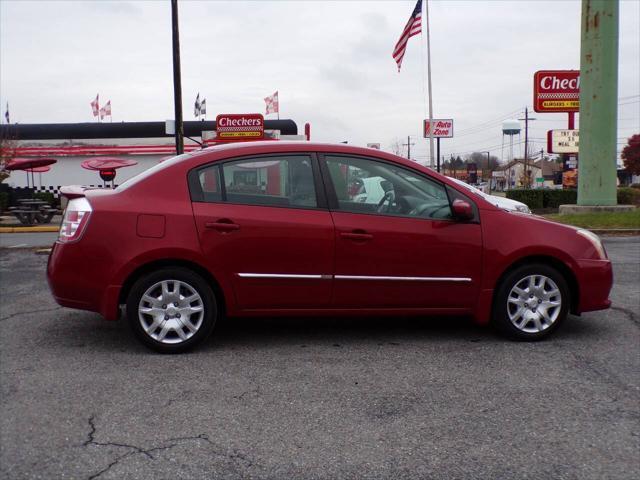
[110,466]
[629,314]
[28,312]
[134,449]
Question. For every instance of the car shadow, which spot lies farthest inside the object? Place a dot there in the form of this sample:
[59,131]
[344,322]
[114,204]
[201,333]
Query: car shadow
[90,331]
[345,330]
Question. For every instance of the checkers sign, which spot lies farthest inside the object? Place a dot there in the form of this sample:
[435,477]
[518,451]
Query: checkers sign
[556,91]
[244,126]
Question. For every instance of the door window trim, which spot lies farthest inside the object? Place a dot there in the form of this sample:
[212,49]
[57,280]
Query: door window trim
[332,197]
[197,194]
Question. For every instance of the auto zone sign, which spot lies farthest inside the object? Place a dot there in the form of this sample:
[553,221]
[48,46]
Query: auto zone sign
[442,128]
[243,126]
[556,91]
[563,141]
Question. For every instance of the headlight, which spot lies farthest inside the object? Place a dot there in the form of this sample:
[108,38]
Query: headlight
[595,241]
[523,209]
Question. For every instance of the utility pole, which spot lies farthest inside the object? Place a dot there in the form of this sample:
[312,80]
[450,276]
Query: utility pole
[526,119]
[177,80]
[490,170]
[408,145]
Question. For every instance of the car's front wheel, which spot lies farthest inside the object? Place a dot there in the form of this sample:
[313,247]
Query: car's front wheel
[171,310]
[531,302]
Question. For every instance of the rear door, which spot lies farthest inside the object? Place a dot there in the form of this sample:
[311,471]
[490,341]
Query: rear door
[400,248]
[263,222]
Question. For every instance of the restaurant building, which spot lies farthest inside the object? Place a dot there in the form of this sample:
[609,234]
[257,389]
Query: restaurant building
[146,143]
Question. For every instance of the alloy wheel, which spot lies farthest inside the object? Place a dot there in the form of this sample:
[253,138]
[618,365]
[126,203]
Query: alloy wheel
[171,311]
[534,303]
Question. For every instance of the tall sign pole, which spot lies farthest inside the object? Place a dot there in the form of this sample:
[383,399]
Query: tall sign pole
[177,81]
[598,102]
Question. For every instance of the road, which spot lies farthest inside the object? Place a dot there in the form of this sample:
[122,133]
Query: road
[319,399]
[25,240]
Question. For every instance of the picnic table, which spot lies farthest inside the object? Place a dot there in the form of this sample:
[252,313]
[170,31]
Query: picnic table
[31,211]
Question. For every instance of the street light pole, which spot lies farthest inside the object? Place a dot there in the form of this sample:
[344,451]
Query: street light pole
[490,170]
[177,80]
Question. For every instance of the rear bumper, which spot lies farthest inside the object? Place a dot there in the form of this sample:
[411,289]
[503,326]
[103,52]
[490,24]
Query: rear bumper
[595,279]
[78,281]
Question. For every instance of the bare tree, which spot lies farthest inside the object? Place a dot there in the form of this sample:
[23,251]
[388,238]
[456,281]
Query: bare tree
[396,147]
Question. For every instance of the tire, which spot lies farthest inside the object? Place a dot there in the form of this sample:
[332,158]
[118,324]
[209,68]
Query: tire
[531,302]
[171,310]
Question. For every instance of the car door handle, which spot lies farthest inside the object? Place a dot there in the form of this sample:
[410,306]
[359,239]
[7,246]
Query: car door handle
[357,235]
[223,225]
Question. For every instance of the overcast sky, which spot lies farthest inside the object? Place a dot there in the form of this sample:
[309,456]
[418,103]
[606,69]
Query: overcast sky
[330,61]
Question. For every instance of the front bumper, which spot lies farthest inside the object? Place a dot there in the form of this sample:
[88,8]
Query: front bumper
[595,279]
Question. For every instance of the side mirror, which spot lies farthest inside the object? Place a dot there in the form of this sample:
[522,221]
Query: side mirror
[462,210]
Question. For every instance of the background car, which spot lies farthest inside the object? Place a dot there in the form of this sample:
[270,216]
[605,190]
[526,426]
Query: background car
[500,202]
[277,228]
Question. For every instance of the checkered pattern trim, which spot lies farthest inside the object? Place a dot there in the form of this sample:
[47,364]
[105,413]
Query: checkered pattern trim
[56,189]
[240,129]
[570,96]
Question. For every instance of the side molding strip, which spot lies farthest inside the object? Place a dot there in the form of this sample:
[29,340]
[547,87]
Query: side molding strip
[402,279]
[353,277]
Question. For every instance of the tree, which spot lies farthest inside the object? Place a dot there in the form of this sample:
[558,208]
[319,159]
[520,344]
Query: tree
[631,155]
[7,152]
[396,147]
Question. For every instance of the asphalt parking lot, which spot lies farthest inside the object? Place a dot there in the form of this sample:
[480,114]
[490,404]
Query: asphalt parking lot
[319,399]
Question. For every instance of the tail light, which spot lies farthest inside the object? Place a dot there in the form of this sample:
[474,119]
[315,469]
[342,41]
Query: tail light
[76,217]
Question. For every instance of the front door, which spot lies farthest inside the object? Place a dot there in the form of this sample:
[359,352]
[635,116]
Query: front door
[397,245]
[261,222]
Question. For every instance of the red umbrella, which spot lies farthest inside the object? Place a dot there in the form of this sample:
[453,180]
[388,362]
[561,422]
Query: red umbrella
[107,166]
[29,165]
[107,163]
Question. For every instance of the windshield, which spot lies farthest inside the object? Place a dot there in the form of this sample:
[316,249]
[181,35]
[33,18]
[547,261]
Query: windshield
[150,171]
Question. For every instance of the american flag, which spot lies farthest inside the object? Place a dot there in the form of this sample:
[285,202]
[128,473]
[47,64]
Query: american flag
[413,27]
[107,108]
[95,105]
[272,103]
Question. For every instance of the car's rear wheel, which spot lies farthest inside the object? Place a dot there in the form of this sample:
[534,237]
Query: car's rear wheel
[531,302]
[171,310]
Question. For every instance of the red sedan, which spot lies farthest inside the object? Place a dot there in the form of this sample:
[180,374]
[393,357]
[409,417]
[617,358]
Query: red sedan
[275,228]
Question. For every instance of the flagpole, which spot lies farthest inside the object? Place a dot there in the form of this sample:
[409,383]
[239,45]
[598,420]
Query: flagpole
[427,23]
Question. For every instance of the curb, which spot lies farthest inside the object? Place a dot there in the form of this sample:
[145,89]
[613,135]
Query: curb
[28,229]
[604,231]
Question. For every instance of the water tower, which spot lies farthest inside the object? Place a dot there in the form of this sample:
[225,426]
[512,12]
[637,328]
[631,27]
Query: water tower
[510,128]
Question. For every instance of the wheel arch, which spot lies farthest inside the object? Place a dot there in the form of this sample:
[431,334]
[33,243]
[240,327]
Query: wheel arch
[149,267]
[554,262]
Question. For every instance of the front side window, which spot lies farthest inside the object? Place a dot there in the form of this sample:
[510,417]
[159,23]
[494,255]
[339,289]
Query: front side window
[271,181]
[369,186]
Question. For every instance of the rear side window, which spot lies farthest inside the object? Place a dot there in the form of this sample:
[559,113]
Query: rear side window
[209,180]
[280,181]
[274,181]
